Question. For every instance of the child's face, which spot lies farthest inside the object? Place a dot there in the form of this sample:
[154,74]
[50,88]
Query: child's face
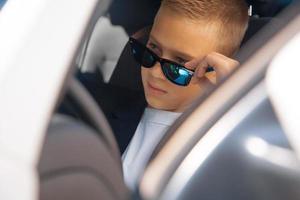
[178,39]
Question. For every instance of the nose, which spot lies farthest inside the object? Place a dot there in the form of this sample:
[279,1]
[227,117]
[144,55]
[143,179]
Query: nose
[156,71]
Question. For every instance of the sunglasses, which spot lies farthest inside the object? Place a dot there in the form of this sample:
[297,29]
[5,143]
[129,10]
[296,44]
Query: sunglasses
[174,72]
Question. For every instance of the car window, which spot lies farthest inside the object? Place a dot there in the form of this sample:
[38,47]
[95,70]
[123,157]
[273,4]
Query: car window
[2,2]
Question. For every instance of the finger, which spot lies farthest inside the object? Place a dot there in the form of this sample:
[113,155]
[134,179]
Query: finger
[200,71]
[204,82]
[194,63]
[222,65]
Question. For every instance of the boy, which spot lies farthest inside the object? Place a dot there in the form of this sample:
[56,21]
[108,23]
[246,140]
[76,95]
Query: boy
[193,34]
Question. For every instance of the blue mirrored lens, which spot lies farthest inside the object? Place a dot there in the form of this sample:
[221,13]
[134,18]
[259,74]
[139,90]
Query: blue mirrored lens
[183,77]
[176,74]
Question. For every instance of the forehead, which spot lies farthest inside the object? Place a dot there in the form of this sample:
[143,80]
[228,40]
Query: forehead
[178,33]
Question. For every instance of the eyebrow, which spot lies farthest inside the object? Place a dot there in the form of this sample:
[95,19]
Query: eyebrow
[178,53]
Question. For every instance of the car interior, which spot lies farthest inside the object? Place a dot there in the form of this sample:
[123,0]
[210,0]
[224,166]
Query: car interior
[80,158]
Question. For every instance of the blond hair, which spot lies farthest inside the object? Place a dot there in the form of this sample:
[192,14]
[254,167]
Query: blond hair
[231,16]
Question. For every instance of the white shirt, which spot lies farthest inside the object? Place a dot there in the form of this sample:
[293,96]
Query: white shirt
[152,127]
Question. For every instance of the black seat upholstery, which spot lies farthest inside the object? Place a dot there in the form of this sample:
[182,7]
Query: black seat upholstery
[133,15]
[127,72]
[268,8]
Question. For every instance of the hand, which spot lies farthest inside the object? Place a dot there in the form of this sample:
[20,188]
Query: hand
[222,65]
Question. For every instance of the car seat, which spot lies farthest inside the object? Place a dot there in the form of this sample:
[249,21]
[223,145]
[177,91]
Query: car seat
[80,159]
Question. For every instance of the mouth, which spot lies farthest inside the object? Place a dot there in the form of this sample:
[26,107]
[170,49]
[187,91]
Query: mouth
[155,90]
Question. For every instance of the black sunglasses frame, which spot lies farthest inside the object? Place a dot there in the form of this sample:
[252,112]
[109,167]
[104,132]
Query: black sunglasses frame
[162,62]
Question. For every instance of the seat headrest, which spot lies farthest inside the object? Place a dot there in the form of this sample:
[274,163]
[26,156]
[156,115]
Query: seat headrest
[268,8]
[133,15]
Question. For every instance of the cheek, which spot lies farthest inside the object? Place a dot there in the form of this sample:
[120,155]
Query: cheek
[176,95]
[185,95]
[144,73]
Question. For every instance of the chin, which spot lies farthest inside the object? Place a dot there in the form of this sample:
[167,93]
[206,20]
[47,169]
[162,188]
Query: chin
[156,103]
[159,104]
